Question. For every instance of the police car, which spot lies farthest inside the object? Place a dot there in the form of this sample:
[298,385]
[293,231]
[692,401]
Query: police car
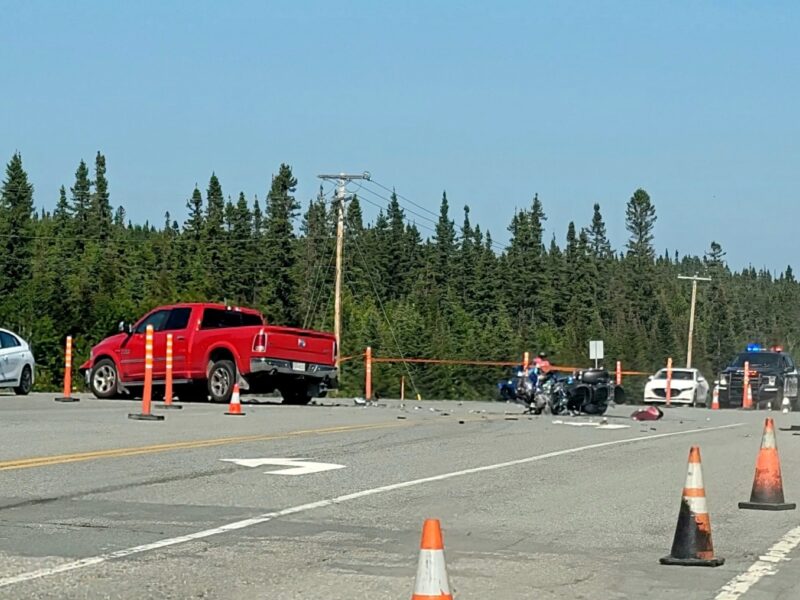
[773,379]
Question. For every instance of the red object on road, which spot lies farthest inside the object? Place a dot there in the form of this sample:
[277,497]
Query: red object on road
[651,413]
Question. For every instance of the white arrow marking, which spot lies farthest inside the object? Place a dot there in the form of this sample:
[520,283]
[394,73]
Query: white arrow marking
[297,466]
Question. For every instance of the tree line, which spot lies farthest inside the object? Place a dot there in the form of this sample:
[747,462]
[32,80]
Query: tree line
[448,292]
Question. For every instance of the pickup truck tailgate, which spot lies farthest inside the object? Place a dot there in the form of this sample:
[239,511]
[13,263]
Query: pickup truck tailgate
[298,345]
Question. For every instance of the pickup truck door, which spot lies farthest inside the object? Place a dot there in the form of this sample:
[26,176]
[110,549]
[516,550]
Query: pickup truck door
[178,325]
[131,358]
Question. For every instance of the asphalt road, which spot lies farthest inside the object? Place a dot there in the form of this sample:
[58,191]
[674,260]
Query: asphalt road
[94,505]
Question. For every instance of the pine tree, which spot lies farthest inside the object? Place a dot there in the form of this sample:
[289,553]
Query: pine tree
[100,215]
[16,228]
[279,298]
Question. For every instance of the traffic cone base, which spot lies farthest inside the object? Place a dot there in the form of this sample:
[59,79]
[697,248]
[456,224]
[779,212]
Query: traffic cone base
[767,493]
[67,399]
[144,417]
[692,545]
[170,406]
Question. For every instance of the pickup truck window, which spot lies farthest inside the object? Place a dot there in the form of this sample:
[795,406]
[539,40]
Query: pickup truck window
[178,319]
[157,320]
[216,318]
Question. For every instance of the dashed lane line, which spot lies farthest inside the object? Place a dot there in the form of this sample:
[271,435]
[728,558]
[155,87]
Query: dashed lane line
[260,519]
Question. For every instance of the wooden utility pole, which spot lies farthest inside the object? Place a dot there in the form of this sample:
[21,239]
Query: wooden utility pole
[341,192]
[694,281]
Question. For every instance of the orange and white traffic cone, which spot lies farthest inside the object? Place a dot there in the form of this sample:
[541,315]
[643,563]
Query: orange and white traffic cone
[748,397]
[691,546]
[715,398]
[68,397]
[432,582]
[235,407]
[767,493]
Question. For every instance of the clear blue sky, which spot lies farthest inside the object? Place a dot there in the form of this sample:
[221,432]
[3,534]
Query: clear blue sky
[581,102]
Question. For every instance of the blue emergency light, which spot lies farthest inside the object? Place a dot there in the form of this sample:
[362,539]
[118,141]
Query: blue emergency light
[754,348]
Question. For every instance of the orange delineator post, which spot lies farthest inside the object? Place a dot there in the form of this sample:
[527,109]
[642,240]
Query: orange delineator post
[526,361]
[619,372]
[168,377]
[669,382]
[368,373]
[402,387]
[747,399]
[67,397]
[147,392]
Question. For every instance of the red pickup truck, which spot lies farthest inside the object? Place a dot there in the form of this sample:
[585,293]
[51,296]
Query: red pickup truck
[215,346]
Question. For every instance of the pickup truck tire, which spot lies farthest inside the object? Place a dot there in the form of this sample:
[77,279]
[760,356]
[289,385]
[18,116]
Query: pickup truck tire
[104,379]
[295,396]
[221,377]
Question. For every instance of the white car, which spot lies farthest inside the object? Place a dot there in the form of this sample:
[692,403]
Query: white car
[16,363]
[688,387]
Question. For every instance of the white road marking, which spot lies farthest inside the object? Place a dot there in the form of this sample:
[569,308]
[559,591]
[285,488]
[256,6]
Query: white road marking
[260,519]
[598,425]
[765,565]
[297,466]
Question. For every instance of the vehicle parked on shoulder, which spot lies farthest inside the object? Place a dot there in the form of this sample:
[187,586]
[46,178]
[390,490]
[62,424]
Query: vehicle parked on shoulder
[214,347]
[688,386]
[17,365]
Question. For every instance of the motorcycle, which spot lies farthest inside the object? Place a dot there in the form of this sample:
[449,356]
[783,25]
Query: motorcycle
[529,393]
[590,392]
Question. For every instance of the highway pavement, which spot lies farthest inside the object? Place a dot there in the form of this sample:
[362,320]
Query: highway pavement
[94,505]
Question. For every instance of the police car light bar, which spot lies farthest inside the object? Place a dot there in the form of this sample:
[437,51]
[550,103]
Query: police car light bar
[777,348]
[754,348]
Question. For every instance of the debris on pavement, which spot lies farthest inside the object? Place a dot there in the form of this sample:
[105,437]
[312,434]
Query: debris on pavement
[651,413]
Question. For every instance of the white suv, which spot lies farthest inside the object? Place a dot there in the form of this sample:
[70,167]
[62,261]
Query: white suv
[16,363]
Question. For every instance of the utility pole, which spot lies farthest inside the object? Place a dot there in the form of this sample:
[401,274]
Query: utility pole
[694,281]
[341,190]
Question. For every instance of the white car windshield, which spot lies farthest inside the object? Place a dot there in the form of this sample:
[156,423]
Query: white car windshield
[676,375]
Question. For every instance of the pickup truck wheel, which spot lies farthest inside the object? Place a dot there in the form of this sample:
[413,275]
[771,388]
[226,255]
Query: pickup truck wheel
[103,382]
[221,377]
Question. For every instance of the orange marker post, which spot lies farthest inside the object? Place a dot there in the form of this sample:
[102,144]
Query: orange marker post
[526,361]
[147,392]
[68,397]
[669,382]
[402,387]
[168,377]
[619,372]
[368,373]
[747,393]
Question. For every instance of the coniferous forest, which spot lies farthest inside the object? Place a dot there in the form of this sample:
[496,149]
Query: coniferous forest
[417,283]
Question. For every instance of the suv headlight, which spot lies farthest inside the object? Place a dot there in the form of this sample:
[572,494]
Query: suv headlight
[723,380]
[771,380]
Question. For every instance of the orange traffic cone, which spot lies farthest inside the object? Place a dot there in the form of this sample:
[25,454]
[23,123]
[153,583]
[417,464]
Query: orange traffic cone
[235,407]
[692,545]
[715,398]
[431,582]
[767,491]
[748,397]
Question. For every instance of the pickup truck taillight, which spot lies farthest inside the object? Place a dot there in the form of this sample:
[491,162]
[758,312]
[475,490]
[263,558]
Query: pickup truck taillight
[260,342]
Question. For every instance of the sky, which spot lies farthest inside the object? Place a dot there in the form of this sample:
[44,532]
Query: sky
[580,102]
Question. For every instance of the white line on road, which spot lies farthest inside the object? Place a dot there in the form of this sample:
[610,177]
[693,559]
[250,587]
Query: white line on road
[258,520]
[764,566]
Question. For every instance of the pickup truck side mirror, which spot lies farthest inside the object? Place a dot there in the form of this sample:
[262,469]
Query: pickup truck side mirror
[650,378]
[125,327]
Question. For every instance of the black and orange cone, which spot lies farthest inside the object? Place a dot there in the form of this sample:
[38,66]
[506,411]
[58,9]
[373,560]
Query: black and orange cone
[767,491]
[692,545]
